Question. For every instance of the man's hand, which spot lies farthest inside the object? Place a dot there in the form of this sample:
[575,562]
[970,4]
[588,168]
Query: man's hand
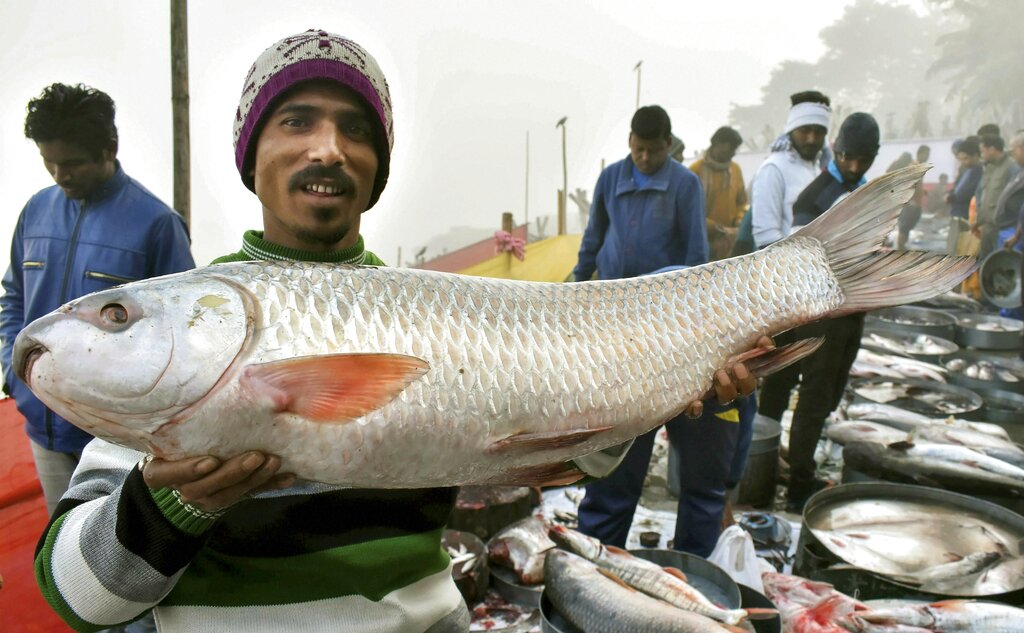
[1012,240]
[212,485]
[731,382]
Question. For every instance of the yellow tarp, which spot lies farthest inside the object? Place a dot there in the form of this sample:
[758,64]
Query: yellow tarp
[547,260]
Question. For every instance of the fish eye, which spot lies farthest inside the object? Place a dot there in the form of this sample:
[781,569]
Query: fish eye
[114,313]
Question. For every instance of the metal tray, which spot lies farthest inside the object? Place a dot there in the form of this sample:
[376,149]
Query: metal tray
[999,278]
[913,320]
[1002,407]
[972,401]
[973,357]
[968,334]
[752,599]
[907,340]
[506,583]
[815,561]
[951,302]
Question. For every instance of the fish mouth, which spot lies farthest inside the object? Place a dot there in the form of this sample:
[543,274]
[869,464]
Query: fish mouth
[23,370]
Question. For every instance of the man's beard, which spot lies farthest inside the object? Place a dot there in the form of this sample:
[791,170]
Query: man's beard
[327,236]
[807,151]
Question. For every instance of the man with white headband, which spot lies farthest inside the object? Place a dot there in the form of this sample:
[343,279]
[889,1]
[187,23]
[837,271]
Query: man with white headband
[784,174]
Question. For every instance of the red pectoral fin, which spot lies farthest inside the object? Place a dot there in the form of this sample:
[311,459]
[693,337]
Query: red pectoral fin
[333,388]
[678,573]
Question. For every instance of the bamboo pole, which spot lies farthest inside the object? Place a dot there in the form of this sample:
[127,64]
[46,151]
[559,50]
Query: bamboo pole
[179,108]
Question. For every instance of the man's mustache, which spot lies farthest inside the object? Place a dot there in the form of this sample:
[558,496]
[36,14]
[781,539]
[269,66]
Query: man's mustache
[314,174]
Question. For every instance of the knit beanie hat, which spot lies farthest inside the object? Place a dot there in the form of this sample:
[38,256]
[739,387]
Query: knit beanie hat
[313,55]
[808,114]
[858,135]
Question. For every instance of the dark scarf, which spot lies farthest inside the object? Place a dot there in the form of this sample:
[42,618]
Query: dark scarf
[713,166]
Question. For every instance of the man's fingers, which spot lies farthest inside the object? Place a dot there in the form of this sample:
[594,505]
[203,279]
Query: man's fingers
[232,474]
[228,496]
[159,473]
[766,341]
[746,383]
[694,409]
[725,390]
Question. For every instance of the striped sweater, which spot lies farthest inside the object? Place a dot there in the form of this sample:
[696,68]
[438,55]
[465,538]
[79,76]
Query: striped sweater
[309,558]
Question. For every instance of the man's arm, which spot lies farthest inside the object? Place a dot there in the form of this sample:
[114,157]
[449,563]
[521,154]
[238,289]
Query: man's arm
[593,236]
[12,306]
[120,538]
[767,202]
[693,221]
[169,247]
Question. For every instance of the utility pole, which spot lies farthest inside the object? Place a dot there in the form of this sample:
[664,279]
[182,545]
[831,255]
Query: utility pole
[179,108]
[637,69]
[563,197]
[526,196]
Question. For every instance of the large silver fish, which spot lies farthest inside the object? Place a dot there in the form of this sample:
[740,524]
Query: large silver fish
[383,377]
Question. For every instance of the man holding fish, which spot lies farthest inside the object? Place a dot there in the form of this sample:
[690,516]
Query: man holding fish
[224,544]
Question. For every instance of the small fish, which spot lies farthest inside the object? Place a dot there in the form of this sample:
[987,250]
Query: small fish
[974,563]
[863,431]
[990,445]
[666,583]
[522,547]
[595,600]
[954,615]
[909,420]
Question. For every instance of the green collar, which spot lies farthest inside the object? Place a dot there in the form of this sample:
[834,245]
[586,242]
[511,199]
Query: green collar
[254,246]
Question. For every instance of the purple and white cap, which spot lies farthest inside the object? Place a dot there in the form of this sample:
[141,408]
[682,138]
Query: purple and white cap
[312,55]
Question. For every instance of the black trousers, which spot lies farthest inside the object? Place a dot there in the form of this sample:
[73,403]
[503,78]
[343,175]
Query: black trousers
[822,378]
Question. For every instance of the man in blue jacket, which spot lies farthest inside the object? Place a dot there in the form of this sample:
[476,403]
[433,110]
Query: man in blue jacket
[648,211]
[95,228]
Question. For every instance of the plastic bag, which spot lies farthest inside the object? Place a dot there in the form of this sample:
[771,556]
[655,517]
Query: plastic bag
[735,554]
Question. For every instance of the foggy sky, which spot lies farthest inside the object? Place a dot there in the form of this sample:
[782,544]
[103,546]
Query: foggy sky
[468,80]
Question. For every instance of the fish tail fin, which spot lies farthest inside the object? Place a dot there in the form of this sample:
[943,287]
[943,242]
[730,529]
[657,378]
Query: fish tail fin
[853,233]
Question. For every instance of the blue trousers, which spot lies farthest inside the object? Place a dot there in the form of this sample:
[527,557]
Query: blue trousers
[713,453]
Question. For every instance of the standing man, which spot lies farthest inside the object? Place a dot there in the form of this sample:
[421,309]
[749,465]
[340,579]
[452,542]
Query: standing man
[784,174]
[648,211]
[910,215]
[724,190]
[313,136]
[999,169]
[822,375]
[95,228]
[968,155]
[648,215]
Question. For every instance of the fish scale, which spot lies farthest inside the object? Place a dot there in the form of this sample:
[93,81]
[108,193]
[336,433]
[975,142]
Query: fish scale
[474,380]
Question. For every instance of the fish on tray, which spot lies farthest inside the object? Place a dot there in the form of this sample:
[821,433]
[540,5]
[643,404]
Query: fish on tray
[596,600]
[665,583]
[909,420]
[522,547]
[990,445]
[863,431]
[952,615]
[889,365]
[920,344]
[398,378]
[945,465]
[1004,371]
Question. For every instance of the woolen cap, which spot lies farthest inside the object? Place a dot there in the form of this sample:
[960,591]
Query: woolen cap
[858,135]
[303,57]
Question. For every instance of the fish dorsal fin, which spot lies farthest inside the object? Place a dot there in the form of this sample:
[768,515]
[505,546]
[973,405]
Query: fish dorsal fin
[757,613]
[904,445]
[610,575]
[672,571]
[530,442]
[333,388]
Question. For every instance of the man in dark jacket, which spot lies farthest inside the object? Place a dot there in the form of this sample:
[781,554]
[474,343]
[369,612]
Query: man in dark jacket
[97,227]
[822,375]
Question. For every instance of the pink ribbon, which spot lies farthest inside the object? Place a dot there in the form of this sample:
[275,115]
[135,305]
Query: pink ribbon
[505,242]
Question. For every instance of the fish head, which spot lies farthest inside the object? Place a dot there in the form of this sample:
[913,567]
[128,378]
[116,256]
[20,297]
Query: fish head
[586,546]
[122,362]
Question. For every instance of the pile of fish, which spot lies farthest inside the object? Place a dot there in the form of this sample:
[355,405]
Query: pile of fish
[600,588]
[904,318]
[936,548]
[870,364]
[994,369]
[522,547]
[895,444]
[816,607]
[1004,325]
[916,345]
